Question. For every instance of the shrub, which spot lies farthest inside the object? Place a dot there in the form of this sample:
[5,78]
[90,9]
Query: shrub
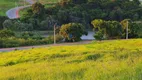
[72,31]
[27,35]
[11,42]
[6,33]
[99,35]
[59,38]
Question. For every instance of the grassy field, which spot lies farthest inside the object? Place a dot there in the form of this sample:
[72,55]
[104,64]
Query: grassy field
[105,60]
[8,4]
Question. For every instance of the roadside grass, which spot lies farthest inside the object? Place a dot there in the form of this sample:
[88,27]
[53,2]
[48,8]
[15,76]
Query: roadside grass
[99,60]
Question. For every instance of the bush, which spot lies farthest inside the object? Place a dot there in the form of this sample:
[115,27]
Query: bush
[99,35]
[10,42]
[59,38]
[72,31]
[16,42]
[27,35]
[6,33]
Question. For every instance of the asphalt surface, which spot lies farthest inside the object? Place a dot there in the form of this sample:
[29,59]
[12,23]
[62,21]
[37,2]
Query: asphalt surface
[14,12]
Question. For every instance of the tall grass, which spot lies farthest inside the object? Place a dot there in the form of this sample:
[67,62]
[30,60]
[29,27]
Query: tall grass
[105,60]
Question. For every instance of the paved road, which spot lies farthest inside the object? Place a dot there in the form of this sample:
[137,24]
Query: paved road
[40,46]
[14,12]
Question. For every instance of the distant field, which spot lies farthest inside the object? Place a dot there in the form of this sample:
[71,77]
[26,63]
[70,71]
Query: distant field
[104,60]
[8,4]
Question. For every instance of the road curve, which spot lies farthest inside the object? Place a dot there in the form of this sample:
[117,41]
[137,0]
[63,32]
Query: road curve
[14,12]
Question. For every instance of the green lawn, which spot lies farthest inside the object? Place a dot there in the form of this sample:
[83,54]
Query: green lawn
[105,60]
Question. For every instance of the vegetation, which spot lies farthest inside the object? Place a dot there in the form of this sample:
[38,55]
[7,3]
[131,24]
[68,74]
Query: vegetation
[70,11]
[105,60]
[72,31]
[2,19]
[116,30]
[6,5]
[9,39]
[6,33]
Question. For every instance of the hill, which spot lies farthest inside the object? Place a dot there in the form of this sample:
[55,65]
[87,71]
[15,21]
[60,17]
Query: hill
[104,60]
[8,4]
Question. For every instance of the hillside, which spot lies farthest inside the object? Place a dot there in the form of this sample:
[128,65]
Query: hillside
[8,4]
[104,60]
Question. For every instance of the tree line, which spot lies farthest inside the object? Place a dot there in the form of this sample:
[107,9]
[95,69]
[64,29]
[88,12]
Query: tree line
[37,17]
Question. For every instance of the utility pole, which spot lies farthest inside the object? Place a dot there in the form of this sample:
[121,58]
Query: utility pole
[55,33]
[127,33]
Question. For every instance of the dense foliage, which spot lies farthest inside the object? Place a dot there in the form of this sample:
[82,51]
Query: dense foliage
[81,11]
[2,19]
[114,29]
[9,38]
[72,31]
[6,33]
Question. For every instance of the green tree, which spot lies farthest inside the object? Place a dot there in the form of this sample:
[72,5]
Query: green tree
[109,29]
[2,19]
[72,31]
[78,1]
[38,8]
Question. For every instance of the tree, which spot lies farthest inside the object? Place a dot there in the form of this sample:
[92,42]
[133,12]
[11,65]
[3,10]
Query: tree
[72,31]
[113,29]
[7,24]
[78,1]
[109,29]
[26,15]
[2,19]
[137,2]
[38,8]
[38,11]
[63,3]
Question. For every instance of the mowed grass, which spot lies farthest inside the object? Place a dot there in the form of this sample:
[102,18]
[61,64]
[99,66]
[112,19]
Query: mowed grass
[104,60]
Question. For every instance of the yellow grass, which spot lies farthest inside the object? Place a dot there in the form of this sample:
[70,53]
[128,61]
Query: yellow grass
[105,60]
